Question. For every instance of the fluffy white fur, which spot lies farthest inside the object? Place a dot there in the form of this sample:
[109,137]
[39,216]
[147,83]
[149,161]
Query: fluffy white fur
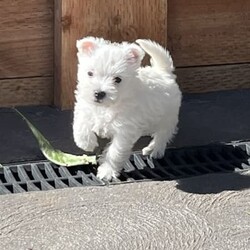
[145,102]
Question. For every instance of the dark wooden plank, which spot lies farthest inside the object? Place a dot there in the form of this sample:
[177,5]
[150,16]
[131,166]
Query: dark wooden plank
[214,78]
[209,32]
[26,38]
[26,91]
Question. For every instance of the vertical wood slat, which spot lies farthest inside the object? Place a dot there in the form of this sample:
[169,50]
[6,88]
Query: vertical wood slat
[113,20]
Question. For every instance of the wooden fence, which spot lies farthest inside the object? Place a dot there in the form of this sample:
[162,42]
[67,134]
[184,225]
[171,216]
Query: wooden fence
[209,41]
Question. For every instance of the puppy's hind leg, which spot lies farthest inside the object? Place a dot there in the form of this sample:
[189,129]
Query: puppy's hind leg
[148,149]
[160,141]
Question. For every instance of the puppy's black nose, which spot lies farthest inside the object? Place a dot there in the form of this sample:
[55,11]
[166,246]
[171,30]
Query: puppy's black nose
[100,95]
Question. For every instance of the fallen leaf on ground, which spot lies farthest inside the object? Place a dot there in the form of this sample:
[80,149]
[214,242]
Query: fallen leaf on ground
[54,155]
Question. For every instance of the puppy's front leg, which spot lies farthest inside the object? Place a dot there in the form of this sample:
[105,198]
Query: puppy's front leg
[116,155]
[83,135]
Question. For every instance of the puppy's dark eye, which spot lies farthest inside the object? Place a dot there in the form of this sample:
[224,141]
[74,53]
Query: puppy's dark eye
[90,73]
[117,79]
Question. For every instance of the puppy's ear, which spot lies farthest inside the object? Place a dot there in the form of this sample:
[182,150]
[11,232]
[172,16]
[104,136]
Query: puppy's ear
[86,46]
[135,55]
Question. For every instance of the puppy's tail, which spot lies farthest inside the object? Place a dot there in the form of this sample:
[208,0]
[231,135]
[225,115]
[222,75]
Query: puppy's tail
[160,58]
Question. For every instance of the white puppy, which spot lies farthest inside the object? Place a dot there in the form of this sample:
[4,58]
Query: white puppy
[116,98]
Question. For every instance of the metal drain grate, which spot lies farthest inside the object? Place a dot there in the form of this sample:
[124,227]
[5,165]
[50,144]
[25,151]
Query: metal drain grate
[177,163]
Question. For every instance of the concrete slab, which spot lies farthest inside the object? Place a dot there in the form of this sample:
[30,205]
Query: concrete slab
[207,212]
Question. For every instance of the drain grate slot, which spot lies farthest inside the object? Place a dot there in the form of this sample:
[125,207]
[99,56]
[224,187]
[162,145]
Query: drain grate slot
[177,163]
[51,171]
[24,173]
[38,171]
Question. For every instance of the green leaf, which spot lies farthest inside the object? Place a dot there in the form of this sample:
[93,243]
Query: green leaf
[54,155]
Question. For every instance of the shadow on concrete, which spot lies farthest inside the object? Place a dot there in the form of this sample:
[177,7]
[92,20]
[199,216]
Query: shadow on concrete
[214,183]
[206,169]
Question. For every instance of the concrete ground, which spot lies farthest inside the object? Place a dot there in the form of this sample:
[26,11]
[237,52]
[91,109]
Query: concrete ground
[206,212]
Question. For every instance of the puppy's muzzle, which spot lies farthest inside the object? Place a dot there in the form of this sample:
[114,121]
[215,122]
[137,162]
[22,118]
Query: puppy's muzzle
[99,96]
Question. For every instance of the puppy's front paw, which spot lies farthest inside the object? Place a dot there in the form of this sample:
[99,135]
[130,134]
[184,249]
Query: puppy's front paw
[87,143]
[158,154]
[106,172]
[147,150]
[90,147]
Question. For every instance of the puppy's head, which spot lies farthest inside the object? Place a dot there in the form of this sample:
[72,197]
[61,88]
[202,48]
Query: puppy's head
[106,71]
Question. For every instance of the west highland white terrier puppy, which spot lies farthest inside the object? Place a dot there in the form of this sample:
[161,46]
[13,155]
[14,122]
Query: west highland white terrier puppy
[118,99]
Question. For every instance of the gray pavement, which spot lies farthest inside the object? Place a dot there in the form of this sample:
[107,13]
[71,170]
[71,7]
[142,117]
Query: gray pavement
[207,212]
